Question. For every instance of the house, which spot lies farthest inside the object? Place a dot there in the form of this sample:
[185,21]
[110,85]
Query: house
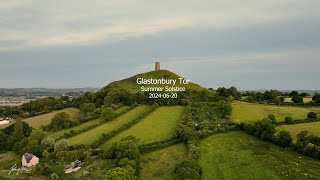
[29,160]
[2,122]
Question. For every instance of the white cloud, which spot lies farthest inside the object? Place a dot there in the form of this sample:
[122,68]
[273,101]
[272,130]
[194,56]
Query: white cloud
[36,24]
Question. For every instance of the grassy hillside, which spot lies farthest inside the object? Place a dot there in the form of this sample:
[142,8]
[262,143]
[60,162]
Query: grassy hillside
[160,164]
[85,125]
[294,129]
[236,155]
[7,160]
[90,136]
[250,112]
[159,125]
[131,84]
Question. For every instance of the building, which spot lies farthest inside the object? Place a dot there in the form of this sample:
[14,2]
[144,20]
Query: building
[29,160]
[2,122]
[157,66]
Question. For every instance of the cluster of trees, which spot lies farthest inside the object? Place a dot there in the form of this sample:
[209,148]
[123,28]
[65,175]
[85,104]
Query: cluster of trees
[277,97]
[125,156]
[228,94]
[60,121]
[307,143]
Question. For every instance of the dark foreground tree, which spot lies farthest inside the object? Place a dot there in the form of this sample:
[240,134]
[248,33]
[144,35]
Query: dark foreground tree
[312,116]
[284,139]
[18,130]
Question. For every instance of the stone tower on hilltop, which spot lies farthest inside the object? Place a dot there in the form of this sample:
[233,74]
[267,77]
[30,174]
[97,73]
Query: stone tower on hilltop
[157,66]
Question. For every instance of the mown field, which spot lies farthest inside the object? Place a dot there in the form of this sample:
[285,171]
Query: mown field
[159,125]
[160,164]
[294,129]
[305,100]
[235,155]
[85,125]
[250,112]
[90,136]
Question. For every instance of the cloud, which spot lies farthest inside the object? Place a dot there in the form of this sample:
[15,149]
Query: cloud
[40,24]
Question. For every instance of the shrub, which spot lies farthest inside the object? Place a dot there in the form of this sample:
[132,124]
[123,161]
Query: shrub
[312,116]
[188,169]
[288,120]
[61,145]
[283,139]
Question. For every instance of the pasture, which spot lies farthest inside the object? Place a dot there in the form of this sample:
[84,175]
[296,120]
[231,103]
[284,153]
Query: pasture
[251,112]
[294,129]
[91,135]
[95,122]
[159,125]
[160,164]
[236,155]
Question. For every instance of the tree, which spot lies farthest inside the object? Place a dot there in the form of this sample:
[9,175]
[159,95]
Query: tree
[304,94]
[48,143]
[312,116]
[18,131]
[284,139]
[61,145]
[3,140]
[87,109]
[107,114]
[297,99]
[273,119]
[60,121]
[37,135]
[25,126]
[119,173]
[293,93]
[288,120]
[316,99]
[188,169]
[277,100]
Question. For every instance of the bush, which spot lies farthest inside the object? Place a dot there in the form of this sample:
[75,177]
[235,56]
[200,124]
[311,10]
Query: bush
[312,116]
[283,139]
[188,169]
[288,120]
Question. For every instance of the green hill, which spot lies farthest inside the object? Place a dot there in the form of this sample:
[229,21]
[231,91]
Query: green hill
[131,82]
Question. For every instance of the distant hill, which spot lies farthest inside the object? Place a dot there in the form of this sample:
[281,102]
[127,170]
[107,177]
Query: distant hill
[131,82]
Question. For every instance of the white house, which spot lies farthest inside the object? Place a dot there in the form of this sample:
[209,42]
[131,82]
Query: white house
[2,122]
[29,160]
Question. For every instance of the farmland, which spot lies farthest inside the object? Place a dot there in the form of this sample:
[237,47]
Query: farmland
[159,125]
[93,134]
[160,164]
[294,129]
[85,125]
[224,156]
[250,112]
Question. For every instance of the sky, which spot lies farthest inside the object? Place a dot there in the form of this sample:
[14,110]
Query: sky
[250,44]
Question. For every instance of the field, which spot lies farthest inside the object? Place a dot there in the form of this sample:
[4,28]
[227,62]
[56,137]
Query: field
[160,164]
[250,112]
[7,160]
[236,155]
[90,136]
[58,134]
[305,100]
[294,129]
[98,121]
[159,125]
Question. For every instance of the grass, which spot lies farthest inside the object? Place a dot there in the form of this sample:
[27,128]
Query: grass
[160,164]
[294,129]
[90,136]
[58,134]
[87,124]
[236,155]
[250,112]
[159,125]
[7,160]
[45,119]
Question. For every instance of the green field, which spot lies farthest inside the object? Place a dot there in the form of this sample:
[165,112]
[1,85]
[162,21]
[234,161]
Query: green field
[250,112]
[7,160]
[159,125]
[160,164]
[90,136]
[59,134]
[305,100]
[294,129]
[87,124]
[236,155]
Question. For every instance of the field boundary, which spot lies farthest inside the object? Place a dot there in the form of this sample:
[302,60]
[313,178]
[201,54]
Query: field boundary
[72,133]
[157,145]
[106,136]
